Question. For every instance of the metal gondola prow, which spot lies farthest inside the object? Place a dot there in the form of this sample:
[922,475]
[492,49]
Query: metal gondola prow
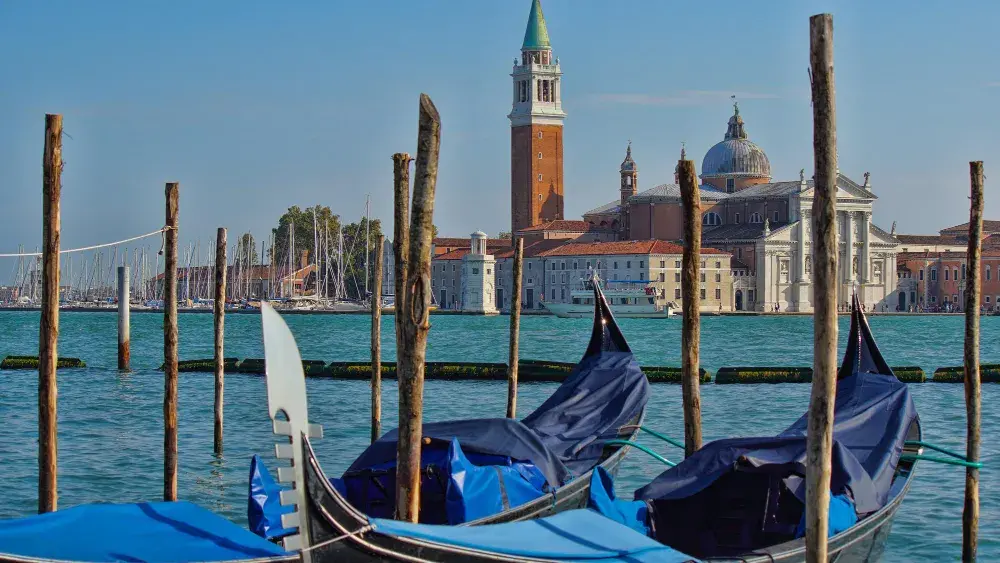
[862,354]
[606,336]
[286,395]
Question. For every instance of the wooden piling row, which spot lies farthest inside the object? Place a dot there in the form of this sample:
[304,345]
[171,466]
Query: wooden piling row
[219,325]
[973,389]
[691,301]
[124,352]
[170,345]
[416,315]
[377,340]
[48,332]
[819,440]
[515,330]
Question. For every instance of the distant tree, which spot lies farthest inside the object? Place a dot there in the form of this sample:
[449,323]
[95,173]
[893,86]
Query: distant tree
[355,243]
[504,235]
[302,219]
[246,250]
[434,230]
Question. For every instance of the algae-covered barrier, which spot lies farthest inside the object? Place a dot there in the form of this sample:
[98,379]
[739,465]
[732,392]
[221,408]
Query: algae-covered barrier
[31,362]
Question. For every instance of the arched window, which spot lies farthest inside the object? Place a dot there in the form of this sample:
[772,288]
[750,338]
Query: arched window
[711,218]
[756,218]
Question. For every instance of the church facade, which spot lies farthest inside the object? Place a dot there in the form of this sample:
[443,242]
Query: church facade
[765,225]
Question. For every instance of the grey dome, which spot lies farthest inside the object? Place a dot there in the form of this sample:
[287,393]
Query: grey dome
[628,165]
[736,155]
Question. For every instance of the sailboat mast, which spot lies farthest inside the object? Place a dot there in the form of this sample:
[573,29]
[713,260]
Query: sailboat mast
[368,245]
[316,249]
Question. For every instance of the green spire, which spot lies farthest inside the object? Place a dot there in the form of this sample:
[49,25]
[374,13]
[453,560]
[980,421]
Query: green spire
[536,37]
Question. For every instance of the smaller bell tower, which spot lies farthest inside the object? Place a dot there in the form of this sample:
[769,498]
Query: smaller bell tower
[629,187]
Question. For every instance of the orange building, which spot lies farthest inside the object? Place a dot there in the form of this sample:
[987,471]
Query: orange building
[936,281]
[536,130]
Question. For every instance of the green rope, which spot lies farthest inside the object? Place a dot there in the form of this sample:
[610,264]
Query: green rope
[945,460]
[936,448]
[640,447]
[670,441]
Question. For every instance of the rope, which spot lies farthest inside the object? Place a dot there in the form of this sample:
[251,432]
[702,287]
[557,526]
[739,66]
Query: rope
[641,448]
[670,441]
[86,248]
[359,531]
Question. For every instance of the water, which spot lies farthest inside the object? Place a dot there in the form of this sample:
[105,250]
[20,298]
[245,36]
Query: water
[110,424]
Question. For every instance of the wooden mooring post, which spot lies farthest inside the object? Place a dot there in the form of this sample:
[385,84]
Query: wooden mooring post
[124,353]
[973,389]
[691,305]
[170,346]
[515,329]
[377,340]
[48,333]
[219,310]
[819,440]
[416,315]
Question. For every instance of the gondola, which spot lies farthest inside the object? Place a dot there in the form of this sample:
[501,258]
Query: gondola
[486,471]
[734,500]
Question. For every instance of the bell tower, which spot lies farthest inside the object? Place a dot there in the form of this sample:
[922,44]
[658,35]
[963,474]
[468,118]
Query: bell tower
[536,129]
[629,187]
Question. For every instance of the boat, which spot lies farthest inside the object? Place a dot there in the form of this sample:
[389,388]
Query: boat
[742,499]
[484,471]
[627,299]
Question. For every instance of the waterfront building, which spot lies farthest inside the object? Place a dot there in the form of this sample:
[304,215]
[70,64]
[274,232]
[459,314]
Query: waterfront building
[936,281]
[536,129]
[478,279]
[765,225]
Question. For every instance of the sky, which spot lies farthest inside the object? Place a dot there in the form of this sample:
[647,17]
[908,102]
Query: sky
[256,106]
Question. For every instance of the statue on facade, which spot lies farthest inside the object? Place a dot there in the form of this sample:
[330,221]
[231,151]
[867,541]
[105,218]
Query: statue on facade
[802,175]
[767,227]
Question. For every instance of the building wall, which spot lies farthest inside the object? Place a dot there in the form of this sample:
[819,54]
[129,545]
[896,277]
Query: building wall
[446,276]
[933,289]
[535,201]
[738,183]
[663,221]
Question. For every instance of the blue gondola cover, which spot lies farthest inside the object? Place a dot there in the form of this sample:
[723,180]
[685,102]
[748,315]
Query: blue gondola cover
[264,509]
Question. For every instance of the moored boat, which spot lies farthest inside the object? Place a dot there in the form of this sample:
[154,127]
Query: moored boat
[626,299]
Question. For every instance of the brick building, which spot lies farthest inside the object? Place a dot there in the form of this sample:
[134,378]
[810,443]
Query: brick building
[936,281]
[536,129]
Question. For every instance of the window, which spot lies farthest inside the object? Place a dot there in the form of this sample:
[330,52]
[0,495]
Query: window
[562,265]
[737,221]
[529,265]
[642,263]
[963,271]
[553,281]
[703,293]
[539,179]
[718,264]
[718,293]
[703,276]
[574,265]
[539,156]
[730,185]
[553,266]
[718,277]
[663,264]
[702,263]
[641,274]
[946,272]
[663,277]
[711,218]
[987,275]
[553,294]
[616,265]
[452,267]
[677,263]
[677,277]
[934,274]
[588,264]
[562,294]
[677,293]
[488,271]
[775,216]
[539,134]
[921,275]
[933,299]
[987,299]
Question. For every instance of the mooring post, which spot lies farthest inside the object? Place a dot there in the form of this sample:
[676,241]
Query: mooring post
[515,329]
[416,315]
[124,354]
[691,310]
[377,340]
[48,337]
[170,346]
[819,440]
[973,390]
[401,237]
[219,309]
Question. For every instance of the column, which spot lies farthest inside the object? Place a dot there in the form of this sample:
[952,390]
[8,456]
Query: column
[803,249]
[848,248]
[865,250]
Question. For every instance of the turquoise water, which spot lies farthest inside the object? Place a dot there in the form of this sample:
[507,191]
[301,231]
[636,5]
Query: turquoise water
[110,424]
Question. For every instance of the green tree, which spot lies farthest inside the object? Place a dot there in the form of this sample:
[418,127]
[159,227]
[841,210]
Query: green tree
[302,219]
[246,246]
[354,256]
[504,235]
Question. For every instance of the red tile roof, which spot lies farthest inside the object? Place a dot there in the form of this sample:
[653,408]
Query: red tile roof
[533,249]
[456,254]
[622,247]
[929,239]
[564,226]
[988,227]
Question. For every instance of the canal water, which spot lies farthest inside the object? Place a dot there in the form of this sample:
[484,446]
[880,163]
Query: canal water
[110,424]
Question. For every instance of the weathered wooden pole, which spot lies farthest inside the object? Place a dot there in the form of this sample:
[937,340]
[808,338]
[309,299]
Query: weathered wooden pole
[219,310]
[973,391]
[124,353]
[515,329]
[401,236]
[819,440]
[691,305]
[48,333]
[416,315]
[170,346]
[377,340]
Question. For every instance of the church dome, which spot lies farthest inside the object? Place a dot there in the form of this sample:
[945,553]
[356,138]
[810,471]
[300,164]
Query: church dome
[736,156]
[628,165]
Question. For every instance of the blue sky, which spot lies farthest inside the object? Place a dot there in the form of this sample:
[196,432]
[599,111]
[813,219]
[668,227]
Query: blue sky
[256,106]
